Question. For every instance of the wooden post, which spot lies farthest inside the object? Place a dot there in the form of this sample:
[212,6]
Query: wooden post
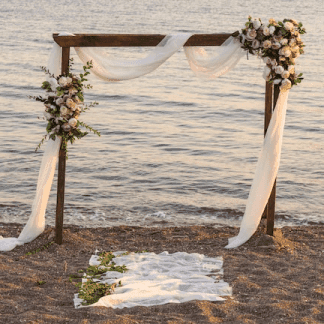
[271,97]
[272,198]
[61,166]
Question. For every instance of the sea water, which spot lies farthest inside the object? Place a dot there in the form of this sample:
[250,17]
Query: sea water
[174,149]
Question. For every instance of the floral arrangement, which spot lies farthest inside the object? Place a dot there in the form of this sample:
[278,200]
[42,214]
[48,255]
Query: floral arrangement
[279,44]
[64,103]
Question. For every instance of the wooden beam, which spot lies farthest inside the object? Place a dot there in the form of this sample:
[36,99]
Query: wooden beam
[267,118]
[272,198]
[131,40]
[61,167]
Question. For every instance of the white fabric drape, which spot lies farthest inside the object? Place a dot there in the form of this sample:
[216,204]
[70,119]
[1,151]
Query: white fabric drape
[36,223]
[210,67]
[203,66]
[265,174]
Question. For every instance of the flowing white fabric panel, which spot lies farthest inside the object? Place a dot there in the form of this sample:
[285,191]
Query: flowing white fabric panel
[209,67]
[36,223]
[116,70]
[265,174]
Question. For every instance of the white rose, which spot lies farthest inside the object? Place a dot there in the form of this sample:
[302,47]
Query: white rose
[256,23]
[288,53]
[285,74]
[255,44]
[273,62]
[267,60]
[53,83]
[279,69]
[291,69]
[276,45]
[285,85]
[288,26]
[284,41]
[277,81]
[52,107]
[47,115]
[64,110]
[59,101]
[68,80]
[66,127]
[272,29]
[73,122]
[63,81]
[266,73]
[292,42]
[277,38]
[251,34]
[266,31]
[266,44]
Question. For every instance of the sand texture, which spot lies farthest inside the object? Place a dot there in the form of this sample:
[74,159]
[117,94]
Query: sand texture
[274,279]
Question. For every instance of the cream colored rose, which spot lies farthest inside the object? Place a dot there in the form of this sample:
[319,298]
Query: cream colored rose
[70,102]
[53,83]
[284,41]
[47,115]
[73,122]
[64,111]
[288,26]
[279,69]
[295,54]
[291,69]
[77,100]
[59,101]
[272,21]
[285,74]
[272,29]
[266,44]
[256,23]
[292,42]
[294,22]
[266,31]
[282,58]
[267,60]
[251,34]
[73,91]
[62,81]
[295,49]
[285,85]
[68,80]
[266,73]
[66,127]
[292,60]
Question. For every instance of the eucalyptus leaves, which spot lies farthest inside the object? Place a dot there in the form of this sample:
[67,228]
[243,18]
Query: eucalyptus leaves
[64,102]
[279,44]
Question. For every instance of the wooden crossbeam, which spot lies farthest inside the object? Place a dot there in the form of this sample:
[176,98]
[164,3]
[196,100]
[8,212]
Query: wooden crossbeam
[131,40]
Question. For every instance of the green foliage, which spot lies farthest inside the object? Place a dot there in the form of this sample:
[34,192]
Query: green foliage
[42,248]
[41,282]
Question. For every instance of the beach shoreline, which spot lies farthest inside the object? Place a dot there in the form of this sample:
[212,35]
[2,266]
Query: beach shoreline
[274,279]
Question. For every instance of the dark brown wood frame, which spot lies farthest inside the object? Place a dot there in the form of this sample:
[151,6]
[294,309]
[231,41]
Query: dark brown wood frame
[132,40]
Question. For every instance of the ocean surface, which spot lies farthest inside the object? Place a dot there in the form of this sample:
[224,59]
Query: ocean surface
[174,150]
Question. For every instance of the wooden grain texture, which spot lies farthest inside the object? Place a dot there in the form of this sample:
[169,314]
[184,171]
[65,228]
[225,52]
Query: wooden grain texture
[272,198]
[131,40]
[61,167]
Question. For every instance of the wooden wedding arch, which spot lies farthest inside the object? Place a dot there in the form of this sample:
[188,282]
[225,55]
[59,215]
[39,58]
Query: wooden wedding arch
[141,40]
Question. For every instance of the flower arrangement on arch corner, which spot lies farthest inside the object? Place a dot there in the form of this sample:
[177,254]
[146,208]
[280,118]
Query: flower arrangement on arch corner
[279,44]
[64,102]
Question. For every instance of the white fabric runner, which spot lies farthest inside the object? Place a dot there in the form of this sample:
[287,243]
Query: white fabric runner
[36,222]
[203,66]
[157,279]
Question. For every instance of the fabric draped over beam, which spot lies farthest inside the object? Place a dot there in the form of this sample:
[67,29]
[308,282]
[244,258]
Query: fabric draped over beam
[203,66]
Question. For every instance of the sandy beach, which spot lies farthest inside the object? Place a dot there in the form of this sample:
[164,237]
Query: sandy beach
[274,279]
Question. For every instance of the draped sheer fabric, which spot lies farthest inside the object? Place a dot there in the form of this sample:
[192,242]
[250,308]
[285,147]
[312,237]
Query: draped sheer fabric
[36,222]
[203,66]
